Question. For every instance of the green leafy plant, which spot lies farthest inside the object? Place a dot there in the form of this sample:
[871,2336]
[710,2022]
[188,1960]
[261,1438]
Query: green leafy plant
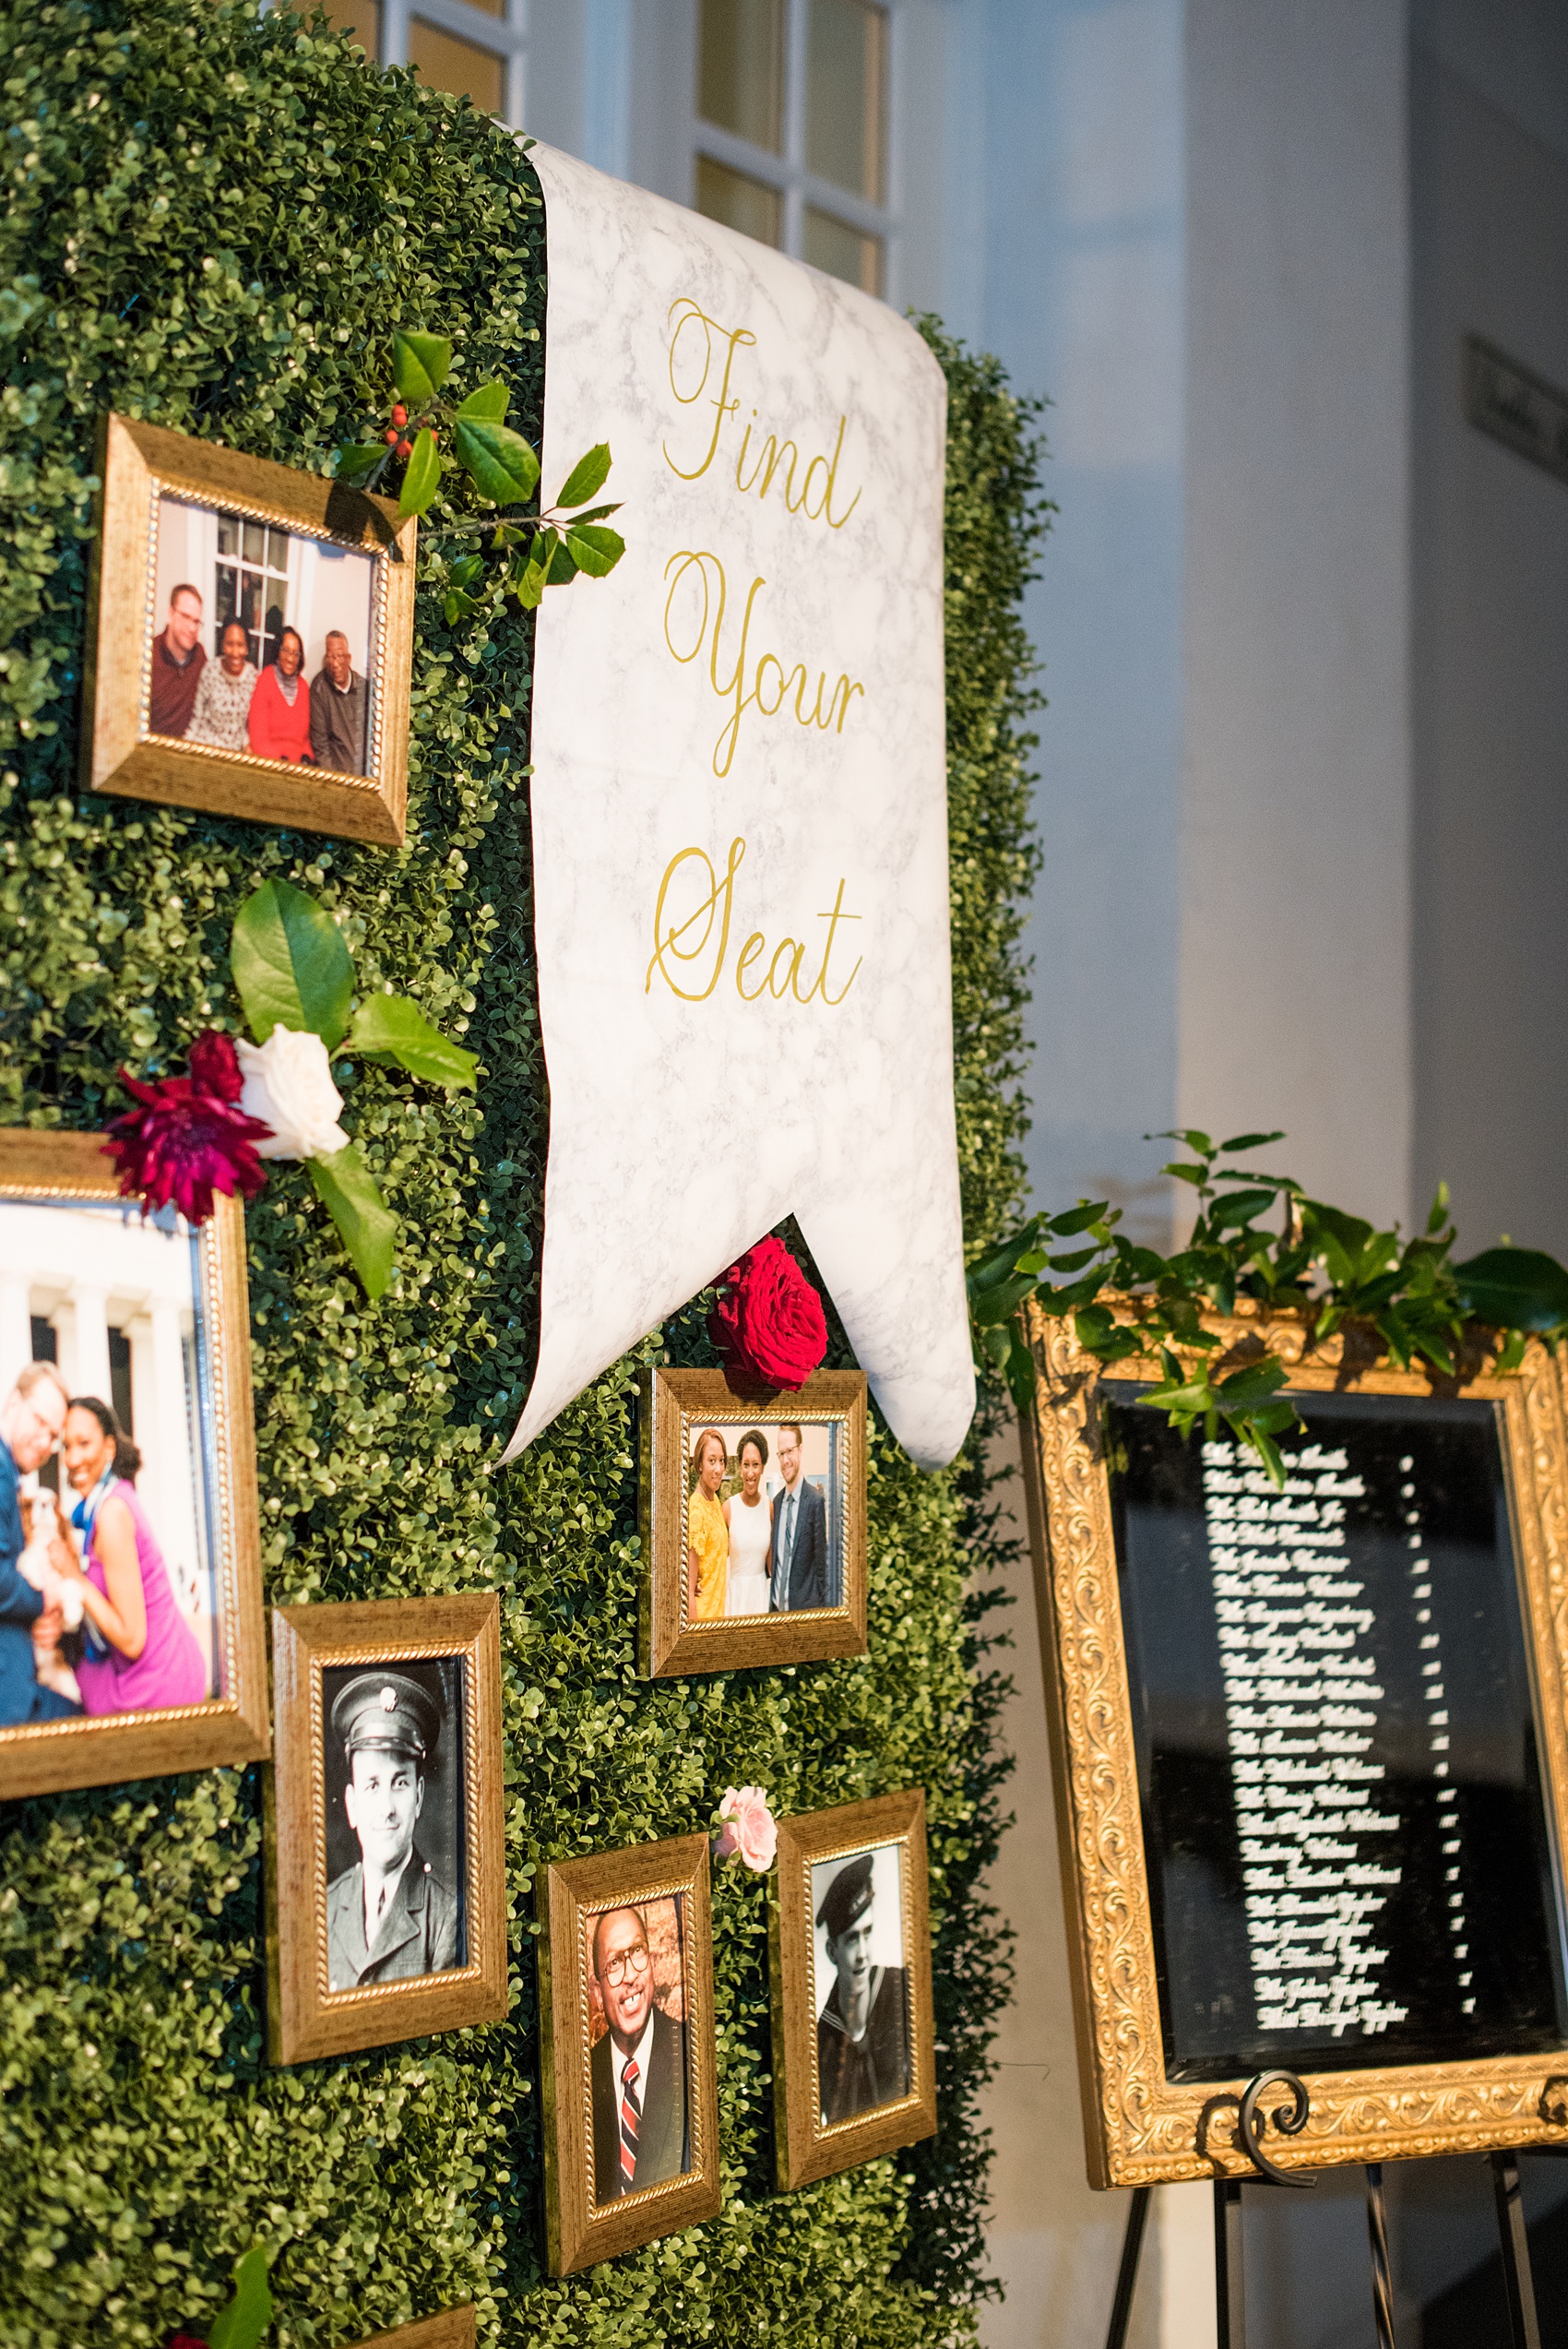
[293,970]
[243,2321]
[1409,1295]
[541,550]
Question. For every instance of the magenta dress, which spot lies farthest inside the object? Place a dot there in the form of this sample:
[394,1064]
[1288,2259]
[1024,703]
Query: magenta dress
[169,1670]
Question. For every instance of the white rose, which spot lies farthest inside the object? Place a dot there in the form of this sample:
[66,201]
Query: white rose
[289,1086]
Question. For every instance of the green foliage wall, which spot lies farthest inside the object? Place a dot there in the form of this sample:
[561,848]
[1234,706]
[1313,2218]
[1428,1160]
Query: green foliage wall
[214,222]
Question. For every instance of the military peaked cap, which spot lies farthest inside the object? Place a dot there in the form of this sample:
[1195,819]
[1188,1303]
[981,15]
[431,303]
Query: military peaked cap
[848,1896]
[386,1712]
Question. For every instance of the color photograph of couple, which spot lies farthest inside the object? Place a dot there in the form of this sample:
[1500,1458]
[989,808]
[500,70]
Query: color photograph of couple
[262,640]
[108,1595]
[764,1522]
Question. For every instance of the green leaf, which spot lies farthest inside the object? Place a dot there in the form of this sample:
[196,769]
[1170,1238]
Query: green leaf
[1077,1292]
[504,467]
[1076,1218]
[290,964]
[422,478]
[1246,1142]
[466,570]
[419,364]
[365,1223]
[1439,1214]
[595,514]
[1000,1261]
[486,404]
[1197,1175]
[456,607]
[563,567]
[1194,1139]
[1251,1387]
[242,2323]
[593,548]
[1020,1375]
[1000,1302]
[356,458]
[392,1024]
[586,476]
[1514,1289]
[1238,1207]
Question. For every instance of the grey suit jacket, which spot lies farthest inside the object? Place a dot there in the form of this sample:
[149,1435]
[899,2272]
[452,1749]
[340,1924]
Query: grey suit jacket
[664,2145]
[808,1567]
[417,1935]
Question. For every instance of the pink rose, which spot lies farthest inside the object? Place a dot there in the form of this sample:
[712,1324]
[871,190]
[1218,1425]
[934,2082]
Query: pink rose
[769,1324]
[749,1829]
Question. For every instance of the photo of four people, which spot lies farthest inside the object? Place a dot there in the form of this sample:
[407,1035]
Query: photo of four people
[243,604]
[764,1526]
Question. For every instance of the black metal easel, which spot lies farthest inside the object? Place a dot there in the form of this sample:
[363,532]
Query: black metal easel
[1230,2299]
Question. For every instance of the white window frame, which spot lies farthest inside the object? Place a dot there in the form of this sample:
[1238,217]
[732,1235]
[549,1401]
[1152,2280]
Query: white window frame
[505,36]
[787,173]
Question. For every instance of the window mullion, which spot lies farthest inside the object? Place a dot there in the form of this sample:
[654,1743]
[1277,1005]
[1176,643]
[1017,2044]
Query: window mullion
[796,30]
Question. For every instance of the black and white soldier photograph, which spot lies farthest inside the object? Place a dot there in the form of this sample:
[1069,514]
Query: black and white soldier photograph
[861,1980]
[394,1861]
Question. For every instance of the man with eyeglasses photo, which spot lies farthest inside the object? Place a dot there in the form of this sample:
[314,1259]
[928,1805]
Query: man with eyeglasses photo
[640,2134]
[31,1419]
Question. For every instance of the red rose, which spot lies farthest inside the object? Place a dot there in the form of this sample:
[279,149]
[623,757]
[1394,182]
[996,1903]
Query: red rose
[185,2340]
[185,1139]
[768,1325]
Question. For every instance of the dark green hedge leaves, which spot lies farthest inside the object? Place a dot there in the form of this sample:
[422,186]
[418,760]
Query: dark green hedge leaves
[217,221]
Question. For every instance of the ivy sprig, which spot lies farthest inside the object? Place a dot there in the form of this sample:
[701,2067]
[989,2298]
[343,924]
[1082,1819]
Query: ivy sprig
[541,550]
[1334,1267]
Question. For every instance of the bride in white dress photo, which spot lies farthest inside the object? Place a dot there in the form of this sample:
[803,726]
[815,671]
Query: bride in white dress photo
[750,1513]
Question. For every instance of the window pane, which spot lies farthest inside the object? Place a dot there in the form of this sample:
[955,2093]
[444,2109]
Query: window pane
[741,70]
[278,550]
[846,98]
[738,202]
[842,251]
[255,542]
[228,534]
[360,19]
[446,62]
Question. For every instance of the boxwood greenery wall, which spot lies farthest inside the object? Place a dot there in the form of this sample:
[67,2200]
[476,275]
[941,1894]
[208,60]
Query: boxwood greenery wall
[213,222]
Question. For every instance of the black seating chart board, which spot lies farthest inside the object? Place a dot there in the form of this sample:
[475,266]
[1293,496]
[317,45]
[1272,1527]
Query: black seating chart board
[1347,1843]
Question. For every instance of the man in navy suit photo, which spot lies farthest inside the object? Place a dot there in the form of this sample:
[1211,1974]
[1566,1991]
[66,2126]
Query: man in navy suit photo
[799,1549]
[31,1421]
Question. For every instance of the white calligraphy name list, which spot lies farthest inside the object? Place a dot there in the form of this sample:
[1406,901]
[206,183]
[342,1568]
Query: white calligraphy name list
[1301,1697]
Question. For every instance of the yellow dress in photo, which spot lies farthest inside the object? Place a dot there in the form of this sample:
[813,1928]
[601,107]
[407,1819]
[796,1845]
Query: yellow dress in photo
[708,1534]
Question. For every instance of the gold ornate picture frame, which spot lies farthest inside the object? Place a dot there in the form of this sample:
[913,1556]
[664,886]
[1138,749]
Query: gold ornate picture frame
[811,1444]
[843,2096]
[450,2329]
[382,1708]
[1142,2126]
[642,1919]
[285,551]
[151,1319]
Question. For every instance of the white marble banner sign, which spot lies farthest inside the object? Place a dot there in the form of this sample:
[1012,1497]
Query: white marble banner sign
[740,805]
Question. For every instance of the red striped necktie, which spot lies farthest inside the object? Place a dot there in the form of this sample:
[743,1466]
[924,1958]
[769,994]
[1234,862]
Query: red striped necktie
[631,2113]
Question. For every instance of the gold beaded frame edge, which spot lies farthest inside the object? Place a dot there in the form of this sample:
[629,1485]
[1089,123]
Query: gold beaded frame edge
[1139,2128]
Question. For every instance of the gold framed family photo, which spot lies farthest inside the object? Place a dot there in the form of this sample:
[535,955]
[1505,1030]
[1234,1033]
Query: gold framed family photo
[754,1522]
[853,2038]
[387,1894]
[630,2097]
[251,638]
[131,1636]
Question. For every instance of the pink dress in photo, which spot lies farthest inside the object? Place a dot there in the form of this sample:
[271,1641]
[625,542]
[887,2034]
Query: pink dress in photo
[170,1670]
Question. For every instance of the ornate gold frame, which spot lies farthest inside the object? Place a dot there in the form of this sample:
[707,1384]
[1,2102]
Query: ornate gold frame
[452,2329]
[576,1892]
[103,1749]
[673,1405]
[138,463]
[1139,2128]
[304,2018]
[805,2148]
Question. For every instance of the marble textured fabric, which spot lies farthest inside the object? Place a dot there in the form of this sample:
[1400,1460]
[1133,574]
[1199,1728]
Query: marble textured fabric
[740,805]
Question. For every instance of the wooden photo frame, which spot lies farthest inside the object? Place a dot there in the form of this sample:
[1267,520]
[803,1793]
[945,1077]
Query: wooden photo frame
[408,1936]
[194,537]
[149,1320]
[1310,1754]
[841,2097]
[450,2328]
[645,1912]
[823,1583]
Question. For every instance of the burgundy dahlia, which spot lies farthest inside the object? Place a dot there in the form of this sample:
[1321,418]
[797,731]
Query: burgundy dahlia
[185,1139]
[769,1325]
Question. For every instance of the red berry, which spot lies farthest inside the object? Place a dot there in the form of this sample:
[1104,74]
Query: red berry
[405,448]
[399,414]
[390,437]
